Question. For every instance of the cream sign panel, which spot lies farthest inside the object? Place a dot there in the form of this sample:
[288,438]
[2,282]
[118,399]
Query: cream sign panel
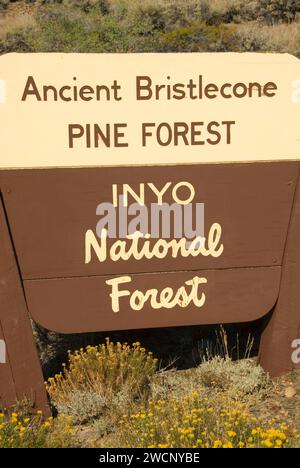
[73,110]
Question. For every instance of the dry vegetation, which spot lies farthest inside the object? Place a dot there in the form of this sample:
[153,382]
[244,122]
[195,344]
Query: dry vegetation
[114,395]
[17,17]
[160,25]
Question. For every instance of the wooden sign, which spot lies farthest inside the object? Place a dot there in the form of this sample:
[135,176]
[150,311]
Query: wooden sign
[147,109]
[118,212]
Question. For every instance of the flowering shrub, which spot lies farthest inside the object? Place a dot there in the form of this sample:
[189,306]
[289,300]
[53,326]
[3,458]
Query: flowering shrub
[197,422]
[97,375]
[34,432]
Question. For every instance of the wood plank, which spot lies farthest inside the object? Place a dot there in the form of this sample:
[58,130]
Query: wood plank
[77,305]
[8,396]
[50,211]
[284,327]
[16,327]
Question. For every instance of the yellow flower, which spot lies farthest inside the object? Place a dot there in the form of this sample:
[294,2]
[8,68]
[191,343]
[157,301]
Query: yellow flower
[217,444]
[228,445]
[267,443]
[231,434]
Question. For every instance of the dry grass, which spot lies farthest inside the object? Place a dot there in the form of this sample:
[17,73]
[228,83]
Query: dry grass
[222,6]
[277,38]
[17,18]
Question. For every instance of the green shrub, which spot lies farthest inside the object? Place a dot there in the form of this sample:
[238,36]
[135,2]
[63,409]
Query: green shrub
[181,14]
[199,38]
[18,41]
[150,18]
[62,29]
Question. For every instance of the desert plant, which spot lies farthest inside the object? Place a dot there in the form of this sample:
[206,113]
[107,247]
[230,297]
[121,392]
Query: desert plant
[83,406]
[252,39]
[134,26]
[198,37]
[17,431]
[226,344]
[215,12]
[95,376]
[64,29]
[16,41]
[86,6]
[278,38]
[238,378]
[151,16]
[197,421]
[277,11]
[3,4]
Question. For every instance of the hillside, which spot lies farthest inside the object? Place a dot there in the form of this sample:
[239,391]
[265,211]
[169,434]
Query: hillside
[147,26]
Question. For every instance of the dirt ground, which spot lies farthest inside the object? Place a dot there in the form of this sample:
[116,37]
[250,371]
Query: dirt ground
[284,401]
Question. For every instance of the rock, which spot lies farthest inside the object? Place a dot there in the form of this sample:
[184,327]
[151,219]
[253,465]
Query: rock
[290,392]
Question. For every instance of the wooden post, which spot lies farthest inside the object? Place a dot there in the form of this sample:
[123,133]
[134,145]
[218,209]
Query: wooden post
[8,394]
[284,327]
[21,375]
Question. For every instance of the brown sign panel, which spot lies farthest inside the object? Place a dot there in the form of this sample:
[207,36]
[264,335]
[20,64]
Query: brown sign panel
[51,211]
[75,305]
[70,289]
